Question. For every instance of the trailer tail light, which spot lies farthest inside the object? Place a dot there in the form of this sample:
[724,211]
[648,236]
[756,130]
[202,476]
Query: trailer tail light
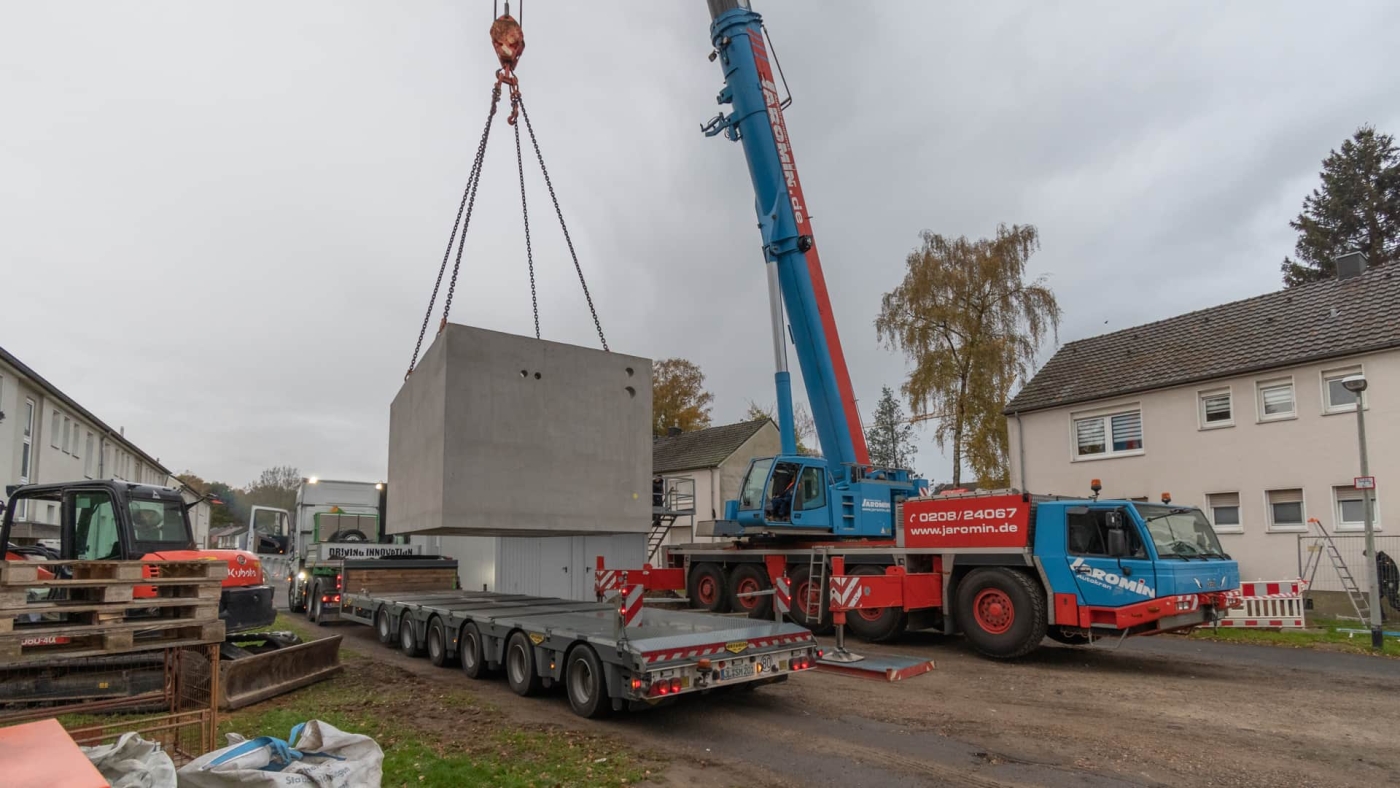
[337,583]
[675,685]
[636,684]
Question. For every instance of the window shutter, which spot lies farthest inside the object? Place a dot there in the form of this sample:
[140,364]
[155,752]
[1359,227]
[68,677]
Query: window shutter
[1217,408]
[1127,431]
[1278,399]
[1089,433]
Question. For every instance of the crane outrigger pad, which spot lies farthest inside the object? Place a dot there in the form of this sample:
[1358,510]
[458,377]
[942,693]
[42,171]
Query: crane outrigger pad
[886,667]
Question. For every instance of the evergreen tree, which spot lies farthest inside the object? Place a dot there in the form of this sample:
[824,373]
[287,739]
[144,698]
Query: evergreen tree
[890,436]
[1356,209]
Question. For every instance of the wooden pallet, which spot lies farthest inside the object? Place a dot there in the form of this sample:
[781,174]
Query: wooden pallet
[18,648]
[107,607]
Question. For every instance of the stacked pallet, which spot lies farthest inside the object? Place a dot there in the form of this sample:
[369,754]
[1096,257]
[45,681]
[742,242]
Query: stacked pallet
[71,609]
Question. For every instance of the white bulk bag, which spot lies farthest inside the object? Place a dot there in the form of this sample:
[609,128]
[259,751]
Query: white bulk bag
[315,754]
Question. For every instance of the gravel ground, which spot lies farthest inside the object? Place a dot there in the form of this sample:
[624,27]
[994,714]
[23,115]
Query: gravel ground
[1158,711]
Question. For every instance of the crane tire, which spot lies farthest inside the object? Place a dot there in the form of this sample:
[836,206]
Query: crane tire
[1002,612]
[745,578]
[804,613]
[876,625]
[707,588]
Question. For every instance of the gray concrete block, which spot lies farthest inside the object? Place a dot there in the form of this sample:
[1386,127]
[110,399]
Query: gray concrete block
[502,435]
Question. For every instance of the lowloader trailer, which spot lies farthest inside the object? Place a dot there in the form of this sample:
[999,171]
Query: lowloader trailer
[609,655]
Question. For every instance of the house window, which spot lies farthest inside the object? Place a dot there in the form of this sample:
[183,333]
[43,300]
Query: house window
[1286,510]
[87,463]
[1276,400]
[57,430]
[1108,435]
[1216,410]
[26,452]
[1351,509]
[1335,397]
[1225,512]
[67,434]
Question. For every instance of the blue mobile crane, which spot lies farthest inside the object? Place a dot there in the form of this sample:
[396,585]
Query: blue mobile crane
[839,493]
[1006,568]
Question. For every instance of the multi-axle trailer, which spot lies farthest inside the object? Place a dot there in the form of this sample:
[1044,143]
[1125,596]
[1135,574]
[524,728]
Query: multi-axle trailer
[609,655]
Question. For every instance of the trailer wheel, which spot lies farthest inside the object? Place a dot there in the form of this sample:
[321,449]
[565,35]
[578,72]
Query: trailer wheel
[313,606]
[437,643]
[706,588]
[408,644]
[1001,612]
[521,674]
[292,599]
[810,606]
[382,627]
[585,684]
[472,654]
[879,624]
[745,579]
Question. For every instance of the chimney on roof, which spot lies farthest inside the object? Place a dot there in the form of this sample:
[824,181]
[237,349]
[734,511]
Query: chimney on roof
[673,431]
[1351,264]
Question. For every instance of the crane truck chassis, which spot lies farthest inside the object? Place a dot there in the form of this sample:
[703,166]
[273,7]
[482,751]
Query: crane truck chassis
[1005,568]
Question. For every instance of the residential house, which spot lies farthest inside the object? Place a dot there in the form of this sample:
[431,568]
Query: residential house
[46,436]
[709,465]
[1238,409]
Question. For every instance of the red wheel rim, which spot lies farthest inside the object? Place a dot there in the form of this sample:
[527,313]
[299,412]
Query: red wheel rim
[993,611]
[705,589]
[748,585]
[871,614]
[807,599]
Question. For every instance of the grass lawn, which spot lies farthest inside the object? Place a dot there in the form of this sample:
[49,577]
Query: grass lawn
[438,736]
[1321,634]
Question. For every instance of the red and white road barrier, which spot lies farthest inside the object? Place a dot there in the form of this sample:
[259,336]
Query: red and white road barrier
[1268,605]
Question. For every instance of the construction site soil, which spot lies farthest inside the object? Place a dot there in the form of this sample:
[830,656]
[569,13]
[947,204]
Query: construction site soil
[1164,711]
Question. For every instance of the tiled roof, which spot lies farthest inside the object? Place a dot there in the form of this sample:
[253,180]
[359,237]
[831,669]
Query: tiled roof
[705,448]
[1294,326]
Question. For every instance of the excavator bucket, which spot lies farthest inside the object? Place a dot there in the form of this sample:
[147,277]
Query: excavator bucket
[249,675]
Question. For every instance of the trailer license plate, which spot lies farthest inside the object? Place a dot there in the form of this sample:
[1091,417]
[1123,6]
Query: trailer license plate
[736,672]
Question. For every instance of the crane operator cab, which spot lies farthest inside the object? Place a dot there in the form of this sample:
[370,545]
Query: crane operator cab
[798,494]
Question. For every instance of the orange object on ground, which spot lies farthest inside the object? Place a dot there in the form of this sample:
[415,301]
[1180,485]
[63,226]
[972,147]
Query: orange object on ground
[42,755]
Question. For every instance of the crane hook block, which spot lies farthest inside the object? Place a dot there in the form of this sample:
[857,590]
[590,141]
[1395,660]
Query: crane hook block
[508,41]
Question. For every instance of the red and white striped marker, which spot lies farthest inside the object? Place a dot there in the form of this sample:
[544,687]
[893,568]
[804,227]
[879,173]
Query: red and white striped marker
[845,592]
[629,606]
[782,595]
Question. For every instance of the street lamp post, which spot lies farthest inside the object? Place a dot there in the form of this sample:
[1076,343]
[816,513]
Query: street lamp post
[1356,384]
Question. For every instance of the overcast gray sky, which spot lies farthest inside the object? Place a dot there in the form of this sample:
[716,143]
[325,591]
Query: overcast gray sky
[220,223]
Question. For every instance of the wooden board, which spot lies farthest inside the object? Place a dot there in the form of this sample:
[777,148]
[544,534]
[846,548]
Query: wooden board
[12,650]
[368,581]
[94,612]
[95,573]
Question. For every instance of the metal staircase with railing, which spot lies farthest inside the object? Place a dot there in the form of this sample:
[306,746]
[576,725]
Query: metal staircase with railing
[672,497]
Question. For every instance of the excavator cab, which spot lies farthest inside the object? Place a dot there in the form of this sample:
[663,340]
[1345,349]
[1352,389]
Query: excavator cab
[787,493]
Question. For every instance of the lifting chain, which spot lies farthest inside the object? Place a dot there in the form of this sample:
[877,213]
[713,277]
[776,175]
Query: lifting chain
[509,43]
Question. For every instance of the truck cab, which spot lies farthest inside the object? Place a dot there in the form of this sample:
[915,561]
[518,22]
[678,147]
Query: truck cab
[802,495]
[1112,562]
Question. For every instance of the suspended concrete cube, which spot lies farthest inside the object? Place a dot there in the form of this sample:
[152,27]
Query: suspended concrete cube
[500,435]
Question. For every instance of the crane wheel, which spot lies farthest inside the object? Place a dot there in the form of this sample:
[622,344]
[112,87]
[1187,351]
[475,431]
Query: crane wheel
[810,604]
[747,578]
[1002,612]
[585,683]
[707,588]
[878,624]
